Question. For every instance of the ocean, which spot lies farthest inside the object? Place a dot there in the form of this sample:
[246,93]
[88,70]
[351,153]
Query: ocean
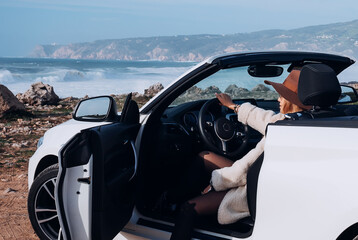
[78,78]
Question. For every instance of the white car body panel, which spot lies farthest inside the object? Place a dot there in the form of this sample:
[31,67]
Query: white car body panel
[54,139]
[299,196]
[77,201]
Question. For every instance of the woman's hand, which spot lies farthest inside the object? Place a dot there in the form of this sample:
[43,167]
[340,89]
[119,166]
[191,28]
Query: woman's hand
[225,100]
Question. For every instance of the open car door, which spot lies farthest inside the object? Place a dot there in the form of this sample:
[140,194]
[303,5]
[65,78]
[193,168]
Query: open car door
[95,184]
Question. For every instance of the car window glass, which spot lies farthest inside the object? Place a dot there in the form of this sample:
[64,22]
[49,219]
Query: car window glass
[234,81]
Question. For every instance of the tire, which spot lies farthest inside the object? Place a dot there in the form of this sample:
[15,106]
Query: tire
[41,204]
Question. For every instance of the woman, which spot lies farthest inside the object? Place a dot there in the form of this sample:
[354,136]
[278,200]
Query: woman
[228,178]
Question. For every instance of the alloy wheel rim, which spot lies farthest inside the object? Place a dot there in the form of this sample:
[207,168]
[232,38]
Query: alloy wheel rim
[45,209]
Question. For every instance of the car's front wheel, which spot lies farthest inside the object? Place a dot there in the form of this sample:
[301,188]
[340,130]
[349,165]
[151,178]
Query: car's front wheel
[41,204]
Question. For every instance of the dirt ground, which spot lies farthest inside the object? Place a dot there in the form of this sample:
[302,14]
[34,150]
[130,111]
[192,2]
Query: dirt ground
[18,140]
[14,221]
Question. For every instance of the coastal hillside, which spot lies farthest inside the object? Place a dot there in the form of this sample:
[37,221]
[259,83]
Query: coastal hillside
[341,38]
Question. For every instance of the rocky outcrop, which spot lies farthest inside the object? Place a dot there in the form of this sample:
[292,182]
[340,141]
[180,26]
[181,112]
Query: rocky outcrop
[39,94]
[260,88]
[9,103]
[153,90]
[195,93]
[234,90]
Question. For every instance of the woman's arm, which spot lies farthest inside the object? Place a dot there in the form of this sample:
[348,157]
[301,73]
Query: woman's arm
[256,117]
[249,114]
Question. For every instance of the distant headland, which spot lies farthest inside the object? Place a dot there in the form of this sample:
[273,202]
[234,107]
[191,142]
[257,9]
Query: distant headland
[339,38]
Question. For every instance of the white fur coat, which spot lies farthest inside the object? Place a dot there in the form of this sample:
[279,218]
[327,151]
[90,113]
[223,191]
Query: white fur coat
[234,205]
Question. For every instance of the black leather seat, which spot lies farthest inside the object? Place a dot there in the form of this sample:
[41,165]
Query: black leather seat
[318,87]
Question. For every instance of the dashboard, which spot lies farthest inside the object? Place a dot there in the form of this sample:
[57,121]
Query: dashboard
[183,119]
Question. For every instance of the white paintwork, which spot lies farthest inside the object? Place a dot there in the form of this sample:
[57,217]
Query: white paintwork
[77,200]
[54,139]
[307,184]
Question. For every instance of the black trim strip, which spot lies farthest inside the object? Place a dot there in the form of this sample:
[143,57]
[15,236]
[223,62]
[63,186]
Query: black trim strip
[168,228]
[351,122]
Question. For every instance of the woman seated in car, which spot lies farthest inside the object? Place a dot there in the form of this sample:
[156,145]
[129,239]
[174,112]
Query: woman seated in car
[228,178]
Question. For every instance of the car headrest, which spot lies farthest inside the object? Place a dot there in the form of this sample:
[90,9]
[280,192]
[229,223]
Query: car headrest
[318,86]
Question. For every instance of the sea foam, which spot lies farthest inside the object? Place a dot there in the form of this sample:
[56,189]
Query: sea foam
[85,77]
[6,76]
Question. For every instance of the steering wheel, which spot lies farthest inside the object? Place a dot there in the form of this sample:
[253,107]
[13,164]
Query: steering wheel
[217,134]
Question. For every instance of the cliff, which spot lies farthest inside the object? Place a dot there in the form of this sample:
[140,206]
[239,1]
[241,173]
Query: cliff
[341,38]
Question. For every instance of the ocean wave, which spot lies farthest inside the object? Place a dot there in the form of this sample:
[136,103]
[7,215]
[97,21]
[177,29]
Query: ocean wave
[82,78]
[157,70]
[69,76]
[48,79]
[6,76]
[74,76]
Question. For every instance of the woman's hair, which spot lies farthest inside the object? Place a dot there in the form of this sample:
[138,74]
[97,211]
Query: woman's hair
[290,107]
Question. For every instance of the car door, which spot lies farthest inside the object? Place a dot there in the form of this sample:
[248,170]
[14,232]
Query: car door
[95,184]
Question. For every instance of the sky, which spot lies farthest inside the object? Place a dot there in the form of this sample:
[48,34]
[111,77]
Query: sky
[27,23]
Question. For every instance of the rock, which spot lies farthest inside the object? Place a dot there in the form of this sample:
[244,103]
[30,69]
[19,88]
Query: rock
[9,103]
[260,88]
[194,90]
[39,94]
[22,176]
[135,94]
[231,88]
[9,190]
[16,146]
[153,90]
[211,90]
[236,91]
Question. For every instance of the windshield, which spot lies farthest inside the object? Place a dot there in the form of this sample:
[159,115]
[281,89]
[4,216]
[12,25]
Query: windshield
[234,81]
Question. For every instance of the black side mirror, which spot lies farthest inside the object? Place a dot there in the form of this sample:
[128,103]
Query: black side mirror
[96,109]
[348,95]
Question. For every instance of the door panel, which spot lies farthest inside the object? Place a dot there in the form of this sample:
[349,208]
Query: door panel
[95,184]
[114,165]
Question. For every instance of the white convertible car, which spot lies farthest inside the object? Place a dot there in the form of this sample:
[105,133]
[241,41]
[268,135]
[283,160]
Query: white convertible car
[101,175]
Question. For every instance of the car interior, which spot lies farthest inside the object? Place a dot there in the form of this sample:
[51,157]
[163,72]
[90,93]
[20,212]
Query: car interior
[176,135]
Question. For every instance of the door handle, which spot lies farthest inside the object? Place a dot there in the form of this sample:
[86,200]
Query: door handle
[86,180]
